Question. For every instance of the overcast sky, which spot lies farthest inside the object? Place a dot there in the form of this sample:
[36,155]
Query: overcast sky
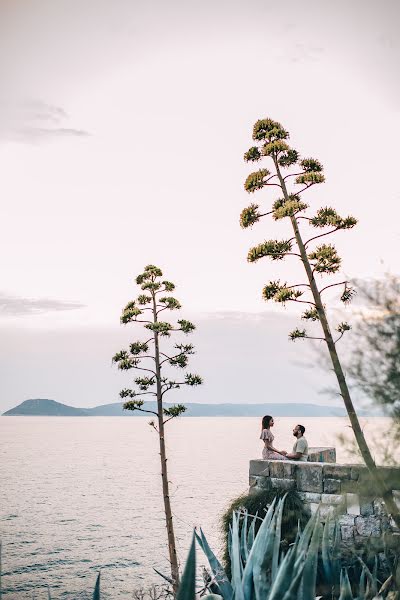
[123,126]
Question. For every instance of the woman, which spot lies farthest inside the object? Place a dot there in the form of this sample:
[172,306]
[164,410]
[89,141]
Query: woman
[269,452]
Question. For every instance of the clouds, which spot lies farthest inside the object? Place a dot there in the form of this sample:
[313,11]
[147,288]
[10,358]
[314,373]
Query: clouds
[33,121]
[14,306]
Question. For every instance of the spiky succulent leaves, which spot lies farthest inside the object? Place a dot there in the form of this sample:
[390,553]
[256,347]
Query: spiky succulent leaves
[275,148]
[253,154]
[192,380]
[311,165]
[267,129]
[288,208]
[310,178]
[249,216]
[186,326]
[343,327]
[348,294]
[326,259]
[216,567]
[174,411]
[170,303]
[297,334]
[236,561]
[145,383]
[96,592]
[128,363]
[133,404]
[138,347]
[328,216]
[288,158]
[256,181]
[161,327]
[119,356]
[274,249]
[345,587]
[310,314]
[187,588]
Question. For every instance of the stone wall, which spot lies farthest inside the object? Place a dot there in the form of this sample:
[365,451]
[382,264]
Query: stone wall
[342,490]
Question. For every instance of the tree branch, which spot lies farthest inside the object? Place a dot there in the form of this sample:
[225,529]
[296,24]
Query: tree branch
[333,285]
[144,410]
[321,235]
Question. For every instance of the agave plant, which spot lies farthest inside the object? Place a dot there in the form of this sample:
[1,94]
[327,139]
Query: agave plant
[262,571]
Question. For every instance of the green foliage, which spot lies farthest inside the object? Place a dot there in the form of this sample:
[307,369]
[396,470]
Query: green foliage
[161,327]
[130,313]
[285,294]
[127,393]
[342,327]
[326,259]
[181,360]
[297,334]
[168,286]
[288,158]
[96,593]
[249,216]
[171,303]
[186,326]
[133,404]
[271,288]
[267,129]
[150,272]
[310,178]
[328,216]
[348,294]
[275,147]
[138,347]
[256,181]
[192,380]
[187,588]
[152,286]
[142,299]
[275,249]
[311,165]
[288,208]
[174,411]
[252,155]
[310,314]
[145,383]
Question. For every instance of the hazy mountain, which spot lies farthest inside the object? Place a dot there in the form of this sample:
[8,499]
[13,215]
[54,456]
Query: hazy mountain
[52,408]
[44,407]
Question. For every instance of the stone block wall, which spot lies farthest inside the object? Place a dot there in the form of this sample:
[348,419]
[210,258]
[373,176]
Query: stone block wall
[342,490]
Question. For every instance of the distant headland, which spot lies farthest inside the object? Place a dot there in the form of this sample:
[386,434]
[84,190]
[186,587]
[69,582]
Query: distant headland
[51,408]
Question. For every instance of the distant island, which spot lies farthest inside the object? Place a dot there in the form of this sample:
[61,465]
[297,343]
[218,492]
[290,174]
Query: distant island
[51,408]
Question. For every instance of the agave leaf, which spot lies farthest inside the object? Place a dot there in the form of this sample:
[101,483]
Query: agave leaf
[187,588]
[257,552]
[326,554]
[277,540]
[48,593]
[96,593]
[236,560]
[262,562]
[212,597]
[230,543]
[371,577]
[243,539]
[293,590]
[345,587]
[216,567]
[361,587]
[251,533]
[163,576]
[311,563]
[284,576]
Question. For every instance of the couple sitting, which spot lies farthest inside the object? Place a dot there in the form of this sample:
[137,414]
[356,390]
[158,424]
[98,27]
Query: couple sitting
[300,449]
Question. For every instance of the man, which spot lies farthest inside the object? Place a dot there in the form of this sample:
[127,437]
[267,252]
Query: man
[300,449]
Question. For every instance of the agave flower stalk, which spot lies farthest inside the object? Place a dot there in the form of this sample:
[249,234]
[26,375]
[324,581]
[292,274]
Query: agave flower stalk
[148,357]
[293,176]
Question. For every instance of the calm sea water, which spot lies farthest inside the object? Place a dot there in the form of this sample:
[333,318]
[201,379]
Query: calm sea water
[82,494]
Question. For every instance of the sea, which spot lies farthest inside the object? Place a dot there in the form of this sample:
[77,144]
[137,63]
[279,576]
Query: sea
[79,495]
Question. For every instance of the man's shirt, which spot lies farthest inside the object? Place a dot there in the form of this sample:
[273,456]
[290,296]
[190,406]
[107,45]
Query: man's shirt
[301,445]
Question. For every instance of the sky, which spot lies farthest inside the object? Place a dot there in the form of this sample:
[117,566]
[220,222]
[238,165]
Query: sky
[122,131]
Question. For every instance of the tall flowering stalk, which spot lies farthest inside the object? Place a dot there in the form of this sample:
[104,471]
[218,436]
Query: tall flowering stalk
[148,357]
[293,176]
